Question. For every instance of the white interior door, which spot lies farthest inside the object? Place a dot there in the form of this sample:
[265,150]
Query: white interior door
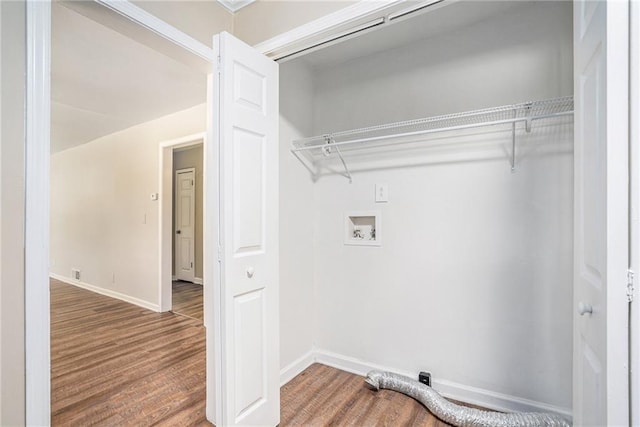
[600,373]
[246,136]
[185,220]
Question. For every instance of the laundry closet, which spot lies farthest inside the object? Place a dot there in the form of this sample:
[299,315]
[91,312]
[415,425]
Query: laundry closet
[442,244]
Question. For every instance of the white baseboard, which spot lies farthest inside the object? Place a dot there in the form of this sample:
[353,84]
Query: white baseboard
[107,292]
[196,280]
[290,371]
[452,390]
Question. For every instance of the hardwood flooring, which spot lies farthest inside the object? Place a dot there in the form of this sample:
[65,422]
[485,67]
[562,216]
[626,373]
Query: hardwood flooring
[324,396]
[188,299]
[116,364]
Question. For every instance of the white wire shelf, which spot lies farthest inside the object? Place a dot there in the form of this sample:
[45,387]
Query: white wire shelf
[311,151]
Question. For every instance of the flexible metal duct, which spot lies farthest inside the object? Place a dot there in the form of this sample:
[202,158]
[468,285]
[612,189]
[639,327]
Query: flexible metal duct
[458,415]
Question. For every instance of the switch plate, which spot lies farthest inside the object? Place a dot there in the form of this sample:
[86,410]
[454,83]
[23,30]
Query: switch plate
[382,193]
[154,196]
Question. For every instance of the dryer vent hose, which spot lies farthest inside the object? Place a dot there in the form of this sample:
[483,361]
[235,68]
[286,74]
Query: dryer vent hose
[458,415]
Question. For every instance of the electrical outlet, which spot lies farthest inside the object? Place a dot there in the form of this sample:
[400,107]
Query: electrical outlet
[382,193]
[425,378]
[75,273]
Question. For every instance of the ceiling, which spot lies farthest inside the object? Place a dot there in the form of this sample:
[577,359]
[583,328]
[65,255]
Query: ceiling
[427,23]
[103,82]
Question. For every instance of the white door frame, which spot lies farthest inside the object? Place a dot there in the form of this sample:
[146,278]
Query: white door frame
[363,13]
[634,128]
[165,212]
[37,163]
[36,250]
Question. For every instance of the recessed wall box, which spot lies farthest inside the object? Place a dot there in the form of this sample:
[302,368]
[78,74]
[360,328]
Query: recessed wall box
[363,228]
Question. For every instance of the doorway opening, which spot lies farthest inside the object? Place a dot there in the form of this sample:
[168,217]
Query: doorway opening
[181,226]
[113,100]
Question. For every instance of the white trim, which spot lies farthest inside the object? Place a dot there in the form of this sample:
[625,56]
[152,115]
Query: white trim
[196,280]
[634,93]
[452,390]
[293,369]
[313,30]
[212,293]
[36,249]
[159,27]
[165,211]
[107,292]
[617,213]
[344,22]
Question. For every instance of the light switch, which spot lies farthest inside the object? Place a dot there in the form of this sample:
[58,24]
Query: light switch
[154,196]
[382,193]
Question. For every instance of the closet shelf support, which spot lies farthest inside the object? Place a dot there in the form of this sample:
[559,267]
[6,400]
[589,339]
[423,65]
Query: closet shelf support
[328,147]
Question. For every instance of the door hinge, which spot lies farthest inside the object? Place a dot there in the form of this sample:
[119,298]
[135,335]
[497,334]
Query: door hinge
[191,265]
[630,287]
[219,63]
[192,183]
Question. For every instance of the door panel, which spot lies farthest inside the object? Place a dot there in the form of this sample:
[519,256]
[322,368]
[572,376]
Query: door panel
[250,372]
[247,146]
[248,196]
[600,393]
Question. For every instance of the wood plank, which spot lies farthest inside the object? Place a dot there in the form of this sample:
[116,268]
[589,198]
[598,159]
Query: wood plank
[325,396]
[113,363]
[116,364]
[188,299]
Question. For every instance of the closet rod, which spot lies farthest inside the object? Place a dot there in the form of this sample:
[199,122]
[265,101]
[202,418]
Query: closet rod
[429,131]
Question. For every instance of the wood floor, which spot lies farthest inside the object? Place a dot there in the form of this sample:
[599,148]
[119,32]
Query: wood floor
[324,396]
[116,364]
[187,299]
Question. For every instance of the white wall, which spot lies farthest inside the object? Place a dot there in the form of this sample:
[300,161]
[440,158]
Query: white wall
[12,340]
[474,278]
[103,220]
[296,213]
[525,56]
[199,19]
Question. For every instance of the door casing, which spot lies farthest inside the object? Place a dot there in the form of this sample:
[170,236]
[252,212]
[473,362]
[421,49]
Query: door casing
[165,216]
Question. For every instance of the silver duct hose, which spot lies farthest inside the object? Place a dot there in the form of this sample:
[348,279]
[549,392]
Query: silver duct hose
[458,415]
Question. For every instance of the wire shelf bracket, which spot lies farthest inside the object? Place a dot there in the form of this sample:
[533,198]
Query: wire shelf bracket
[311,152]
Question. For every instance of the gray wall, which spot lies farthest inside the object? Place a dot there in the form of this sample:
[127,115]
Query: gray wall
[12,78]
